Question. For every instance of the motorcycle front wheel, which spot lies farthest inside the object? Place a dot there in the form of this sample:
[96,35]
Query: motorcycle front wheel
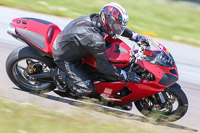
[174,107]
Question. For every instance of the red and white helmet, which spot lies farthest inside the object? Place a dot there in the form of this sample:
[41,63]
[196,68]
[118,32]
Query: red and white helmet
[114,18]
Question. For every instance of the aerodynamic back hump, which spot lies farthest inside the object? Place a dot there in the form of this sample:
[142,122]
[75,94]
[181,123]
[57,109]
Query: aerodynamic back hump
[37,33]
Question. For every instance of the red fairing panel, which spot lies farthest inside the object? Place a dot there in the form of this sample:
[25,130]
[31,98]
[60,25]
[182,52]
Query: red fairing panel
[158,71]
[139,91]
[144,89]
[39,33]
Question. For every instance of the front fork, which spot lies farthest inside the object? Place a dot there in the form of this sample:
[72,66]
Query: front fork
[158,99]
[161,97]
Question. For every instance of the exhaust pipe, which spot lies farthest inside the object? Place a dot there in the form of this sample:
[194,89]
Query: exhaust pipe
[11,30]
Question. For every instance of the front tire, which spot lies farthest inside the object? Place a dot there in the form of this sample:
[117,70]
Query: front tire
[17,69]
[174,96]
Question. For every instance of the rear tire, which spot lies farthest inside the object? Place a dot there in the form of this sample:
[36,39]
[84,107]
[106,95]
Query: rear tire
[17,76]
[176,92]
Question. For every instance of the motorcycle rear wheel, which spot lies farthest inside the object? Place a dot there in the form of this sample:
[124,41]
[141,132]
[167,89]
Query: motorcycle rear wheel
[174,97]
[17,68]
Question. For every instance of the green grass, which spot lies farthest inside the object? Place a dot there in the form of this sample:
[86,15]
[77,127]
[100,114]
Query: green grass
[170,20]
[19,118]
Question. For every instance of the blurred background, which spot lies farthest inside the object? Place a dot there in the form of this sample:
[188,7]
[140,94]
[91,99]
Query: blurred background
[176,20]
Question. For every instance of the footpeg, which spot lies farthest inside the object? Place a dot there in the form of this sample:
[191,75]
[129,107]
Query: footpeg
[59,87]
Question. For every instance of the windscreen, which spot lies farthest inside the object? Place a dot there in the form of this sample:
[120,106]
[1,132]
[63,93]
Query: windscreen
[158,54]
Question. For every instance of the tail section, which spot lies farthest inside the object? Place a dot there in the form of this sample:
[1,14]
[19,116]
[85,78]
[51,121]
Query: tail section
[38,34]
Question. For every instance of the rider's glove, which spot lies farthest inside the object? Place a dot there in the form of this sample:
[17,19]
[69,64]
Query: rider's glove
[140,39]
[123,75]
[129,77]
[133,77]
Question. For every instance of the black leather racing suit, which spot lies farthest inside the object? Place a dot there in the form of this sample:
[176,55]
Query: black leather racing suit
[82,37]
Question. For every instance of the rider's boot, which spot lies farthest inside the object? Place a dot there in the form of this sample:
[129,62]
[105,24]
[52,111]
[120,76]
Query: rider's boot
[59,79]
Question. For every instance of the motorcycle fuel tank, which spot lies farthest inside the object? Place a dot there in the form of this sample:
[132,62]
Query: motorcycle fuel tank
[117,51]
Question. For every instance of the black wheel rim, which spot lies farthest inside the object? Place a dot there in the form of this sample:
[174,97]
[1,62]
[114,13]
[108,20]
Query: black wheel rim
[170,108]
[20,74]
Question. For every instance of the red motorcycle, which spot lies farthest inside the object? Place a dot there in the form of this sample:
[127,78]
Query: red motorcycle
[30,68]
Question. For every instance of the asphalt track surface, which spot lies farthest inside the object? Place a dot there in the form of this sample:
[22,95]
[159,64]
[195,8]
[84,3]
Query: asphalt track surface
[186,57]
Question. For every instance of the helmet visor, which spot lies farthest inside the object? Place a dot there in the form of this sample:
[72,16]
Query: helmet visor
[115,26]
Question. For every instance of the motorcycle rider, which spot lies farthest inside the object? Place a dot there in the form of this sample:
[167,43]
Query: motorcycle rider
[84,36]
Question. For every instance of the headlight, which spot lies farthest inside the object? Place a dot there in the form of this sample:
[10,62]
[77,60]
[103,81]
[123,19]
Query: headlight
[165,60]
[11,29]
